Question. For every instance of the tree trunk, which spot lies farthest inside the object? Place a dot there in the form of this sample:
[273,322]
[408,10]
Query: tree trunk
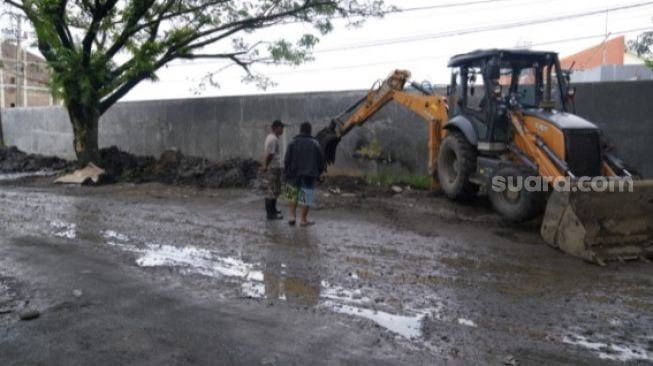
[85,129]
[2,137]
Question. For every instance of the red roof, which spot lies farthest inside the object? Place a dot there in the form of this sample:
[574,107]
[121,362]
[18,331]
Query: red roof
[610,52]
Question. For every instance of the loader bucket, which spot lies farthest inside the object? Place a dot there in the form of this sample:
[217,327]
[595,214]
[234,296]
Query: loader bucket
[328,142]
[602,226]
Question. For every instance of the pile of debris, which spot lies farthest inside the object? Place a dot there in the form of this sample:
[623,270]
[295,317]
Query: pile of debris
[173,167]
[13,160]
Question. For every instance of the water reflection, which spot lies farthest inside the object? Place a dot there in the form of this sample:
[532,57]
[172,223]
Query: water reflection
[409,327]
[292,266]
[64,229]
[16,176]
[289,271]
[610,350]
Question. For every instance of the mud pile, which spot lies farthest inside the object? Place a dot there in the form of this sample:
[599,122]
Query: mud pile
[173,167]
[13,160]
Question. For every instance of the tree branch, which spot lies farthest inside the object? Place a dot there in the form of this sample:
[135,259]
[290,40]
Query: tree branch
[61,27]
[212,55]
[15,4]
[132,20]
[126,87]
[99,13]
[183,41]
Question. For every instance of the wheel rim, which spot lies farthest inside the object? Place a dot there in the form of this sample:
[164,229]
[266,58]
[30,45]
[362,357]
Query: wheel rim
[512,194]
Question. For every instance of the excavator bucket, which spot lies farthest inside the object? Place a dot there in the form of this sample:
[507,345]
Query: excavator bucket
[328,142]
[602,226]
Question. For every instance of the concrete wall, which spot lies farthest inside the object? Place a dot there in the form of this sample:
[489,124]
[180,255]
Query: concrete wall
[624,112]
[221,128]
[613,73]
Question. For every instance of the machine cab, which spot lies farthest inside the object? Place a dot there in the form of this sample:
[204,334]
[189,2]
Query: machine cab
[486,83]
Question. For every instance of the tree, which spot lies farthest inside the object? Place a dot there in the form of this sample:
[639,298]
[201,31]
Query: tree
[643,47]
[98,50]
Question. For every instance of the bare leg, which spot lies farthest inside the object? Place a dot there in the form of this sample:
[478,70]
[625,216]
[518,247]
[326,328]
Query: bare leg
[304,215]
[293,213]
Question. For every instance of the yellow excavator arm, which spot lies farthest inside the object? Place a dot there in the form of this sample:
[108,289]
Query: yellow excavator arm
[431,107]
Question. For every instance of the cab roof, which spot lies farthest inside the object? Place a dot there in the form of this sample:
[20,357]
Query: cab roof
[519,54]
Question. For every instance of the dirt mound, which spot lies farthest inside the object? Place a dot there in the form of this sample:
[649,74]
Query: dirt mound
[13,160]
[124,167]
[173,167]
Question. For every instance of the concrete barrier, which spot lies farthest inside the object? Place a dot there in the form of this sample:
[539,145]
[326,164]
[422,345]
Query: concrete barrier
[221,128]
[624,112]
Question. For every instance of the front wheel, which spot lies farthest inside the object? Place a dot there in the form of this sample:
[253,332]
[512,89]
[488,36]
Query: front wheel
[511,198]
[456,164]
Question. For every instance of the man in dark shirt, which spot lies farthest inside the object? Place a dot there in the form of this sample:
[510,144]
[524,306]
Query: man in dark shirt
[303,165]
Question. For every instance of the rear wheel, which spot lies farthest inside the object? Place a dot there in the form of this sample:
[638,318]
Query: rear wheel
[456,164]
[512,200]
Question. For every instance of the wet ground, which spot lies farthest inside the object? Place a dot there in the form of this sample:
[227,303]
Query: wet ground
[161,275]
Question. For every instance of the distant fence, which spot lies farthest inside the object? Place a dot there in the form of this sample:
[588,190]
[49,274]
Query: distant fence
[220,128]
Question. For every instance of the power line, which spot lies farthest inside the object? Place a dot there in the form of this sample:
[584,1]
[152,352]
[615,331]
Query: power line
[442,56]
[448,34]
[408,10]
[481,29]
[442,6]
[437,57]
[592,36]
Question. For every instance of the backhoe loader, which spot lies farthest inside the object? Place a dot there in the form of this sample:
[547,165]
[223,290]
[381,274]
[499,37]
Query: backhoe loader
[505,119]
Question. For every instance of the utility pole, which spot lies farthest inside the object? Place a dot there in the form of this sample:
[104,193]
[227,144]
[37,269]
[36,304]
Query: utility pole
[20,75]
[2,137]
[15,32]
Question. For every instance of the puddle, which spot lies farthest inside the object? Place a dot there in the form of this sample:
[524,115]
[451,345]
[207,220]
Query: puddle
[352,302]
[110,235]
[253,289]
[192,260]
[611,351]
[259,284]
[64,229]
[409,327]
[198,261]
[467,322]
[15,176]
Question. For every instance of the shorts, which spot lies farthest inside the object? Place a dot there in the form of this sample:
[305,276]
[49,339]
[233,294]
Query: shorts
[273,183]
[300,195]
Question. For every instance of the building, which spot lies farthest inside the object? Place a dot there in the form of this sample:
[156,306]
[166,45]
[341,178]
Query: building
[24,83]
[608,61]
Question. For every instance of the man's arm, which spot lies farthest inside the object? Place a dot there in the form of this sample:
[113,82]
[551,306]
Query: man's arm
[266,160]
[319,157]
[287,159]
[270,149]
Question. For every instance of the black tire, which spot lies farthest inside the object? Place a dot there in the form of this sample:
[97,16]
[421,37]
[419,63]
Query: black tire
[517,204]
[456,164]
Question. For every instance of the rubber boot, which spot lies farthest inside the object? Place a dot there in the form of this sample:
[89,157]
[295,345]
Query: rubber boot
[275,209]
[269,209]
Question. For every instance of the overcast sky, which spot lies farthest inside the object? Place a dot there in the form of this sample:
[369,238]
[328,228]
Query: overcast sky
[420,41]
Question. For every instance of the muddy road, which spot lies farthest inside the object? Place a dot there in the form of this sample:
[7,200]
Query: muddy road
[160,275]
